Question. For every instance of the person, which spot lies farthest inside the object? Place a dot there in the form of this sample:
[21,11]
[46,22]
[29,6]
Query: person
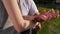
[21,13]
[16,16]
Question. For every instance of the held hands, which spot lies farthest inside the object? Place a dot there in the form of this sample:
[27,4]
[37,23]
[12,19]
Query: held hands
[46,16]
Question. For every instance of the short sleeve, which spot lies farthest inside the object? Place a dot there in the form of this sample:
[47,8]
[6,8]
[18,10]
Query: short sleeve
[33,8]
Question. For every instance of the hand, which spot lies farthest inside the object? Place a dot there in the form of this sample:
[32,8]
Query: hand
[37,26]
[47,16]
[42,16]
[52,14]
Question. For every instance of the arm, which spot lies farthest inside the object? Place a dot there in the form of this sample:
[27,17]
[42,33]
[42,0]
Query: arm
[32,11]
[31,17]
[14,12]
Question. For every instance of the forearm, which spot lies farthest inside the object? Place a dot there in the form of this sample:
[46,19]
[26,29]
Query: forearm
[12,7]
[15,14]
[29,17]
[8,7]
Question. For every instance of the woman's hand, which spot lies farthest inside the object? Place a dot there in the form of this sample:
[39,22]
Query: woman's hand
[45,17]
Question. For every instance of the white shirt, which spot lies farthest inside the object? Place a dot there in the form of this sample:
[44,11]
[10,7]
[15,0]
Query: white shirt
[27,7]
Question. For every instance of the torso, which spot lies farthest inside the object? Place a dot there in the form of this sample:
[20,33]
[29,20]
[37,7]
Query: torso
[24,6]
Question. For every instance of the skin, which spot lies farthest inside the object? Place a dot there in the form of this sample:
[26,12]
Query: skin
[19,22]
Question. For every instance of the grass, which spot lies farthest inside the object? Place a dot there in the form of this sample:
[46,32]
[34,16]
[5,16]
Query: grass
[51,27]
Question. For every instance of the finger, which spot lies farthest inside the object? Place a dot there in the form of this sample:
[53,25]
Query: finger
[43,17]
[43,11]
[52,10]
[49,15]
[38,26]
[52,13]
[57,13]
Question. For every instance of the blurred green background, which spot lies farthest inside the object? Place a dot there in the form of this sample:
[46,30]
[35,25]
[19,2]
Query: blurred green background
[53,26]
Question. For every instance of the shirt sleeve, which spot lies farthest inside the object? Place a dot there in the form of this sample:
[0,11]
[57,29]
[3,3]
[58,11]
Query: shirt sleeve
[33,8]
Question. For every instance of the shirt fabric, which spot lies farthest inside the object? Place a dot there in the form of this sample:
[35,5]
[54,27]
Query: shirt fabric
[27,7]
